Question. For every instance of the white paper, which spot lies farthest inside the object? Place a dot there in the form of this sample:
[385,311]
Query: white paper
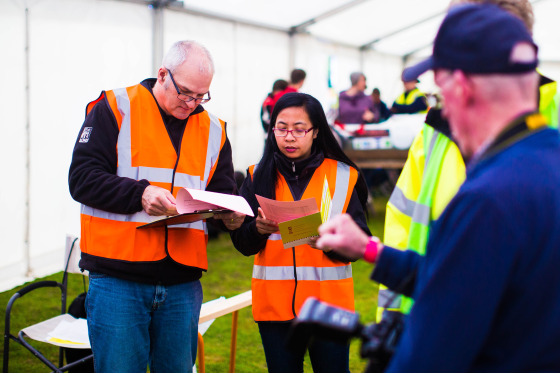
[282,211]
[75,332]
[190,200]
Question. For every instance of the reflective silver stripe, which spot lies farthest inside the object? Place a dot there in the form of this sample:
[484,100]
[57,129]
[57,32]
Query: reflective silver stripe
[304,273]
[123,144]
[162,175]
[214,142]
[275,237]
[190,181]
[140,217]
[419,213]
[385,297]
[340,189]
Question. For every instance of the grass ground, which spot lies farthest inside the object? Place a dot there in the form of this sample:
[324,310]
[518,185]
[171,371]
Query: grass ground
[229,274]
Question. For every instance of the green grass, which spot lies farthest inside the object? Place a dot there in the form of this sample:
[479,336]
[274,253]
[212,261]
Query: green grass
[229,273]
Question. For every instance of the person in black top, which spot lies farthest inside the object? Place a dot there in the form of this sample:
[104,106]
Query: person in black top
[136,148]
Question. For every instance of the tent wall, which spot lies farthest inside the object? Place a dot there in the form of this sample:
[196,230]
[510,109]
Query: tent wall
[76,48]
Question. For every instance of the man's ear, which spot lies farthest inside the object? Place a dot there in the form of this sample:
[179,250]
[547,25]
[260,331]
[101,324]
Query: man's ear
[161,75]
[464,88]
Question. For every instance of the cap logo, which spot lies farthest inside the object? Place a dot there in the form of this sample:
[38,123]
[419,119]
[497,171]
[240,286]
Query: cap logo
[523,53]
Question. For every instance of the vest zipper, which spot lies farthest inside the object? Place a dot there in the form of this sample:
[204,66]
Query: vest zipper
[295,286]
[178,151]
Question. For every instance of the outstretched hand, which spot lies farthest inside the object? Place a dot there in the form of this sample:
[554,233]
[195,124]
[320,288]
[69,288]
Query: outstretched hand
[232,220]
[343,236]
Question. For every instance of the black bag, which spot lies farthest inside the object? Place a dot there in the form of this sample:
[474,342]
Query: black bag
[77,309]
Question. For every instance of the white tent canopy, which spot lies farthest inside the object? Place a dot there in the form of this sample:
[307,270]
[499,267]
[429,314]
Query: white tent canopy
[57,55]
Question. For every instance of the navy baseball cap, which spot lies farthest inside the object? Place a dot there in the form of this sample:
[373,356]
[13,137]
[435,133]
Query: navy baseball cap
[477,39]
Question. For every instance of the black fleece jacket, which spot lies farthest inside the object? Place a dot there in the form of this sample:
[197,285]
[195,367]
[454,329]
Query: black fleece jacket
[249,241]
[93,181]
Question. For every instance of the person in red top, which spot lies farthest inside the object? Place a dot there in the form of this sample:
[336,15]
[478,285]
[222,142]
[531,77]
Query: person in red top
[297,78]
[266,108]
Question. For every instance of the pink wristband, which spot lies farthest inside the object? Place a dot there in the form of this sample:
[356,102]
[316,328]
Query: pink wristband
[372,248]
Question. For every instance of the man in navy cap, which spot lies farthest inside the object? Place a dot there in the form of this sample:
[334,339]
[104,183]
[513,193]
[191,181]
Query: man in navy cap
[485,291]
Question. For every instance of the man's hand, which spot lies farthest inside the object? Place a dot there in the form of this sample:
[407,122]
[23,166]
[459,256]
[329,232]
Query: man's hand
[232,220]
[342,235]
[368,116]
[264,225]
[158,201]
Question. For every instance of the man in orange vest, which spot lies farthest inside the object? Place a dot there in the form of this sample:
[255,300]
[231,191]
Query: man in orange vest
[137,147]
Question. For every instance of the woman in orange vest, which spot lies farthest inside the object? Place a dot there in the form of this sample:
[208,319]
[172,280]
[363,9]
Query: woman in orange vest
[301,160]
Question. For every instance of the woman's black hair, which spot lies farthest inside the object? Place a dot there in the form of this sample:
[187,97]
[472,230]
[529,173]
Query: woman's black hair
[266,176]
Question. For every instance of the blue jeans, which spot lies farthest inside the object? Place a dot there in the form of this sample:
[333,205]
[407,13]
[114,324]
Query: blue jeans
[326,356]
[135,325]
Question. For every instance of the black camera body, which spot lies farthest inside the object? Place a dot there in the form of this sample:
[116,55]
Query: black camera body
[319,319]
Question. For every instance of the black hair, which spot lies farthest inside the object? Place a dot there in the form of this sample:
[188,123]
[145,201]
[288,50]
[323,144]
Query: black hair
[266,175]
[297,76]
[279,85]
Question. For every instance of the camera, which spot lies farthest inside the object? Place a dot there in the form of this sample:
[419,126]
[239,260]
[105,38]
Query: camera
[322,320]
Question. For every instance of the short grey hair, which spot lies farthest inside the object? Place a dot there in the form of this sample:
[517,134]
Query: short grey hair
[355,77]
[180,52]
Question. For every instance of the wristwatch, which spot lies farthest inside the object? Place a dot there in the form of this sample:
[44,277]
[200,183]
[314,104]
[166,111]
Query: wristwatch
[372,249]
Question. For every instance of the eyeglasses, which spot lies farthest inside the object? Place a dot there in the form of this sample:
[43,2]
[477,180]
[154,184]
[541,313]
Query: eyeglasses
[188,98]
[296,133]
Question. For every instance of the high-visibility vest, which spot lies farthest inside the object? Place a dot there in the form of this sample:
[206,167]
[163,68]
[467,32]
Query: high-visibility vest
[549,104]
[284,278]
[419,198]
[146,152]
[410,98]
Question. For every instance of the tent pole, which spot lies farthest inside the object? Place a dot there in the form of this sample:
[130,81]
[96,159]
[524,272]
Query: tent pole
[157,36]
[27,214]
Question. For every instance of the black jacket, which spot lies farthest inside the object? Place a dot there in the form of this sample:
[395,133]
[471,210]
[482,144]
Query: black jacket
[249,241]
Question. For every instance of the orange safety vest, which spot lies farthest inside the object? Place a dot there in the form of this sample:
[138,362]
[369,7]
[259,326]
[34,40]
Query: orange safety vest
[146,152]
[284,278]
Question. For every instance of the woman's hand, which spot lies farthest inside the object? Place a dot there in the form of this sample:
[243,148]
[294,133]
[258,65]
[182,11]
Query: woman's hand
[265,226]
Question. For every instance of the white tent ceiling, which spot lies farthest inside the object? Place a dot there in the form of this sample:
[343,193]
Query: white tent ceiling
[398,27]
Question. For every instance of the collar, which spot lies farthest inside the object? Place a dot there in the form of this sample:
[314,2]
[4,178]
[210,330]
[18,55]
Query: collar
[289,168]
[520,128]
[435,119]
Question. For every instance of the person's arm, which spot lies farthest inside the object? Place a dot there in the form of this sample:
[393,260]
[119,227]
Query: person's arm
[397,269]
[92,176]
[246,239]
[471,253]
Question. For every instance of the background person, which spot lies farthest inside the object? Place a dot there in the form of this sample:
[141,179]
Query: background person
[480,299]
[380,110]
[300,154]
[412,100]
[266,108]
[354,106]
[297,79]
[138,146]
[433,174]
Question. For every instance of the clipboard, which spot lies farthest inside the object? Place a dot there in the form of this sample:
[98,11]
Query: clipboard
[183,218]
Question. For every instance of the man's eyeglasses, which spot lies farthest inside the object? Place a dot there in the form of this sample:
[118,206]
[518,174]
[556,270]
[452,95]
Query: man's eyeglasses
[188,98]
[296,133]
